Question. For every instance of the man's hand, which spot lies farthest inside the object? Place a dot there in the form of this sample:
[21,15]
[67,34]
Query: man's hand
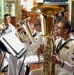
[55,60]
[40,50]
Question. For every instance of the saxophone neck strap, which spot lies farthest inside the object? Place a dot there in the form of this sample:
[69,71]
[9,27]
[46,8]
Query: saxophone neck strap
[58,49]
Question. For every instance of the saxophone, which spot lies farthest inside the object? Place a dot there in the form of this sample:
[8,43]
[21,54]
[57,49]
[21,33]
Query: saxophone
[49,48]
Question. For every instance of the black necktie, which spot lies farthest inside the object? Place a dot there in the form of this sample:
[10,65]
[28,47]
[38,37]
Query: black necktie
[4,30]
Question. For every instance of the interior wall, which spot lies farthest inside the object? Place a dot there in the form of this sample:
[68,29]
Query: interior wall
[72,16]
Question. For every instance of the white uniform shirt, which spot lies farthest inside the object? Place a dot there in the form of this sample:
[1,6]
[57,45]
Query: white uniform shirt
[10,28]
[65,54]
[36,44]
[68,67]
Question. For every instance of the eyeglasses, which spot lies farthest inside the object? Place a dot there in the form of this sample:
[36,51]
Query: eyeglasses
[36,24]
[60,27]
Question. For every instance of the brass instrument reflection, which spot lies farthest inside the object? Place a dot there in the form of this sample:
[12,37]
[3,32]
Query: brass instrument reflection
[48,12]
[49,47]
[24,32]
[23,36]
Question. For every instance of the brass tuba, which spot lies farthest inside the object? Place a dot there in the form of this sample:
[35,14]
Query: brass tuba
[49,48]
[47,22]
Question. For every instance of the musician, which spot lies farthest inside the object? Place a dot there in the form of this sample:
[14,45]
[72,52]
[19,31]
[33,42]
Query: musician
[7,27]
[66,65]
[15,64]
[64,49]
[64,46]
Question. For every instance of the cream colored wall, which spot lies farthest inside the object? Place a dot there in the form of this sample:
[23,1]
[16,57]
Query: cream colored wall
[1,10]
[71,12]
[17,8]
[71,9]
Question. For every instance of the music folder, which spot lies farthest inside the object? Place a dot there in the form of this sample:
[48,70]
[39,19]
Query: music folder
[13,44]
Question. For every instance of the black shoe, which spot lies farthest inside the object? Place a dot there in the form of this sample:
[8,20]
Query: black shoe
[5,69]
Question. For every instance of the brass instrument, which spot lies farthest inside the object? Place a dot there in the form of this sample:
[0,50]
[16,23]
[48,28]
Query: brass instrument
[47,29]
[49,47]
[26,27]
[25,35]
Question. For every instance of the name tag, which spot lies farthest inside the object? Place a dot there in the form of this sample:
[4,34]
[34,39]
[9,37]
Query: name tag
[67,47]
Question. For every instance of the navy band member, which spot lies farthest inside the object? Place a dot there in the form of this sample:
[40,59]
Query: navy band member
[14,63]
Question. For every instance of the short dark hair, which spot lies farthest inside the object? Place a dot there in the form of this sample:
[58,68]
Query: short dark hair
[7,15]
[67,25]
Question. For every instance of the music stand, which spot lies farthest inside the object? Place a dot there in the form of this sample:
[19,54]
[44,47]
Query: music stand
[11,44]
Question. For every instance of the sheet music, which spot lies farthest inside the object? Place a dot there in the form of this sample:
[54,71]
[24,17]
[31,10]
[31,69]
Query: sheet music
[13,44]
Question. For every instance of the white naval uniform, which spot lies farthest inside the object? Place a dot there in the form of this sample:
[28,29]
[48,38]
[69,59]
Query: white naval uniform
[66,66]
[65,54]
[14,63]
[11,29]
